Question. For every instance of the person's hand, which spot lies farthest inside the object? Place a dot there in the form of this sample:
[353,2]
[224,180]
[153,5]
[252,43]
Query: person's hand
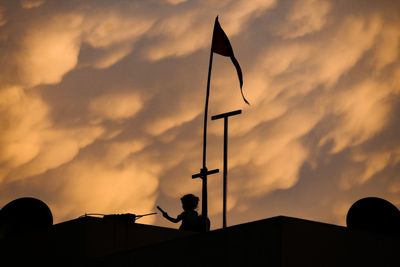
[164,213]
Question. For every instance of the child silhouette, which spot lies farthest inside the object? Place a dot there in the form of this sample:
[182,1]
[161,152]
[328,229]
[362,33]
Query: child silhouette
[189,216]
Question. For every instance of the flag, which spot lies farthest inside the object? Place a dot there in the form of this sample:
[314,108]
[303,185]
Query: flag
[222,46]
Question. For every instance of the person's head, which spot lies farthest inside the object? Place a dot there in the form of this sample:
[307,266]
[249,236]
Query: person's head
[189,202]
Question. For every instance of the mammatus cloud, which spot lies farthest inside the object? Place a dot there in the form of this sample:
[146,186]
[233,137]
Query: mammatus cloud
[28,4]
[178,37]
[30,143]
[102,103]
[304,18]
[88,188]
[16,148]
[115,107]
[50,49]
[364,111]
[3,20]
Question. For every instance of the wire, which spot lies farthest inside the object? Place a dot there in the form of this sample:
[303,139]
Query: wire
[91,214]
[100,214]
[140,216]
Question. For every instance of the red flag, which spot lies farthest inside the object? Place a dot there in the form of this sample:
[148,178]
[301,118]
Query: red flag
[222,46]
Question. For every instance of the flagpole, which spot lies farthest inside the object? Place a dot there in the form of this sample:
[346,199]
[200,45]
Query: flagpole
[206,109]
[219,44]
[204,171]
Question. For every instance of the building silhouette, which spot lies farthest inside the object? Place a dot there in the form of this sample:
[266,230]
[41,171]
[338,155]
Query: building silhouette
[276,241]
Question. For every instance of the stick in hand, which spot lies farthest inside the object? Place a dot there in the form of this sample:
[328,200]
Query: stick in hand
[160,209]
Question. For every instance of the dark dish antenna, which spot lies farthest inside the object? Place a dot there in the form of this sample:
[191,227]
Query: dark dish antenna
[24,215]
[373,214]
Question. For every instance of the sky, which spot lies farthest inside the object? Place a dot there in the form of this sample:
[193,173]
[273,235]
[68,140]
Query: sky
[102,105]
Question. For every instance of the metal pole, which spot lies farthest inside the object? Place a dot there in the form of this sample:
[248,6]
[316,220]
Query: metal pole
[204,173]
[204,204]
[225,171]
[225,116]
[206,110]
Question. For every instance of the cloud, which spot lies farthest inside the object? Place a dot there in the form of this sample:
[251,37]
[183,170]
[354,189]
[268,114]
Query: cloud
[88,189]
[20,133]
[30,144]
[176,34]
[103,31]
[50,49]
[56,148]
[3,20]
[363,110]
[305,17]
[372,165]
[387,51]
[274,156]
[111,56]
[102,105]
[310,64]
[29,4]
[175,2]
[174,118]
[115,106]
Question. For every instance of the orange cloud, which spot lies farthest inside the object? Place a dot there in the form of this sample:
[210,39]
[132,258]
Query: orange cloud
[104,101]
[50,49]
[179,37]
[88,189]
[364,112]
[30,144]
[115,106]
[29,4]
[3,20]
[20,133]
[305,17]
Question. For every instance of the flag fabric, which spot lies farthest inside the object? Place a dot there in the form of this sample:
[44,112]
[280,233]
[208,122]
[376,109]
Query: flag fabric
[222,46]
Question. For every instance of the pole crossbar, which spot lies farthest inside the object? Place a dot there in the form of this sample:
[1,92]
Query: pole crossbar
[201,174]
[227,114]
[204,209]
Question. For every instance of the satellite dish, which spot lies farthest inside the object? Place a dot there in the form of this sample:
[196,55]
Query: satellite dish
[373,214]
[22,215]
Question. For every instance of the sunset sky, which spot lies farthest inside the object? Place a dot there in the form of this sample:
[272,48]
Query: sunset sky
[102,104]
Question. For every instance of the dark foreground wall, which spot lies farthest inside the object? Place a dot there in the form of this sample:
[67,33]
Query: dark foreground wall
[78,242]
[278,241]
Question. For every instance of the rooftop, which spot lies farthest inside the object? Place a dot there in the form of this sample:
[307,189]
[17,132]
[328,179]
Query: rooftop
[276,241]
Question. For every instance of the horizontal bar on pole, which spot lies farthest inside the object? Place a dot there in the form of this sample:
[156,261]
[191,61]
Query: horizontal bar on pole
[197,175]
[227,114]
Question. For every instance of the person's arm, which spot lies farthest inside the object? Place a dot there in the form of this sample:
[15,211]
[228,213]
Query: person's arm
[169,218]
